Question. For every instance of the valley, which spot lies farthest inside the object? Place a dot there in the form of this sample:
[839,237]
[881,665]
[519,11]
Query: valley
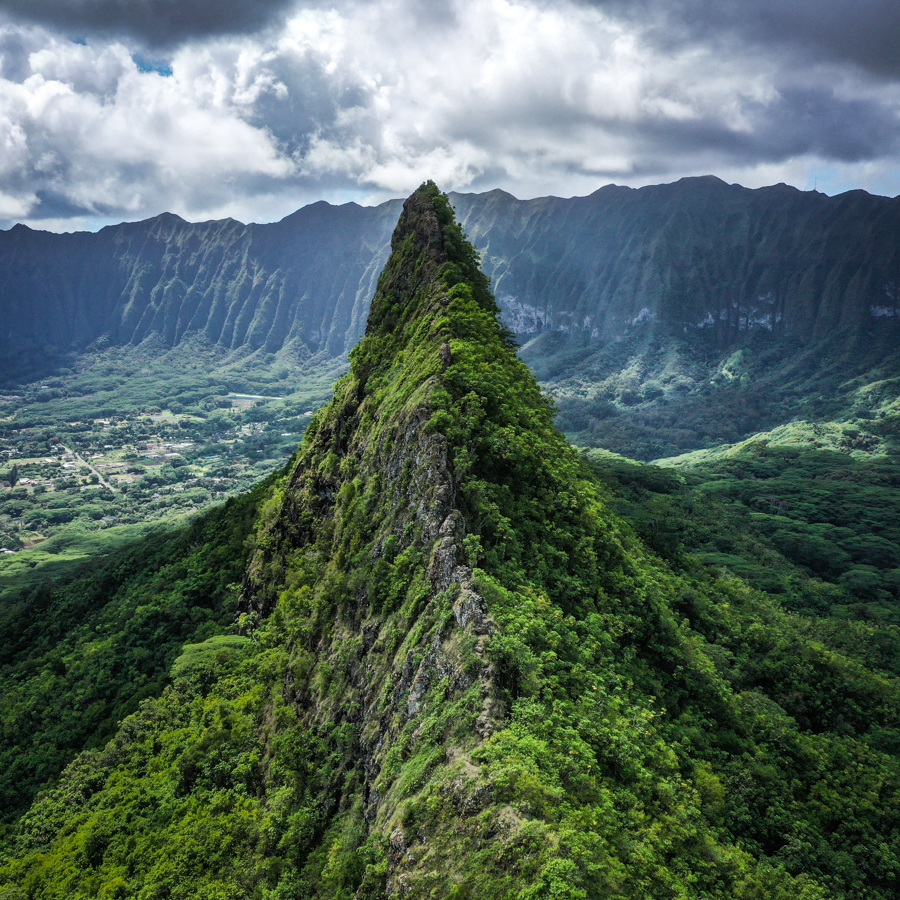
[168,436]
[662,321]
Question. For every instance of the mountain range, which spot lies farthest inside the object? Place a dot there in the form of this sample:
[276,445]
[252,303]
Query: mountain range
[641,306]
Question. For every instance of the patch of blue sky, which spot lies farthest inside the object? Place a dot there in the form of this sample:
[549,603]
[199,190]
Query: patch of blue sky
[145,64]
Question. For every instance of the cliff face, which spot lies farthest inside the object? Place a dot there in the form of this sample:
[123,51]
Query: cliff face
[370,530]
[662,319]
[697,255]
[305,281]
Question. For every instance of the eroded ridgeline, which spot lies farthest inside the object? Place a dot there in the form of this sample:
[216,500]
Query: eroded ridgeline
[366,544]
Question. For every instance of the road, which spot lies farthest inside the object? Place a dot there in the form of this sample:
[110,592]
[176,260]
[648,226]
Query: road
[85,462]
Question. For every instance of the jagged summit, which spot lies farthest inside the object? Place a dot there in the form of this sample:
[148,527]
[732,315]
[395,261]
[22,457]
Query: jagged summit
[461,676]
[428,248]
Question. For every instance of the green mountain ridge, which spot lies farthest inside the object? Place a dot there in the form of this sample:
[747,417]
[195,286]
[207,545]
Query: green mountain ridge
[458,673]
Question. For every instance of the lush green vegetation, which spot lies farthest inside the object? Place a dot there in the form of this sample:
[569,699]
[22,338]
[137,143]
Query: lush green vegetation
[470,662]
[78,655]
[816,528]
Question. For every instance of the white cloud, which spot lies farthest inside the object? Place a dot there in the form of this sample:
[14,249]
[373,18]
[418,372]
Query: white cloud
[89,130]
[366,100]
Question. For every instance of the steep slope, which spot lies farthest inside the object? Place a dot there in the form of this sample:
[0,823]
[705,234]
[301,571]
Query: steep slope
[467,678]
[698,253]
[78,654]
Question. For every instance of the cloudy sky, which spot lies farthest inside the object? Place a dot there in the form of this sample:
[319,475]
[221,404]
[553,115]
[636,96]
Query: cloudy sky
[116,110]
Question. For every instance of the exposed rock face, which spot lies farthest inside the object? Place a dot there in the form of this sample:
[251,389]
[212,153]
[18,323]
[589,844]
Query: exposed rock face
[382,455]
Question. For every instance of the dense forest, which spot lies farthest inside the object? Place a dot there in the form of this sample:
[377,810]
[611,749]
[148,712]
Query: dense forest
[444,653]
[79,654]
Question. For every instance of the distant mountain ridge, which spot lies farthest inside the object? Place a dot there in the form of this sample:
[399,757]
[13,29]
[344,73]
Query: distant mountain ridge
[300,280]
[698,253]
[662,319]
[694,254]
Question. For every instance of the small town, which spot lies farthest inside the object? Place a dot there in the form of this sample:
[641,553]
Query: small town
[61,482]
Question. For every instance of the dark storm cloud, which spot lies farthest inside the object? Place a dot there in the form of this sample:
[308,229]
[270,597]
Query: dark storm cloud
[802,122]
[814,121]
[55,205]
[158,23]
[865,33]
[14,50]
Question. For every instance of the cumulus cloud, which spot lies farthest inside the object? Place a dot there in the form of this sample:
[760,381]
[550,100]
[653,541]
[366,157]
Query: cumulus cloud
[363,100]
[88,134]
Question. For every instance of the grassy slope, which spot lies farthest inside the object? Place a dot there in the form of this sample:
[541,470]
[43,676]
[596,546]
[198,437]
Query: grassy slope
[825,498]
[612,723]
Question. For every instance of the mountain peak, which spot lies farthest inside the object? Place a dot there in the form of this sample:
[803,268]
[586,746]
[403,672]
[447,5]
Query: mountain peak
[381,418]
[447,572]
[462,604]
[420,219]
[429,256]
[417,253]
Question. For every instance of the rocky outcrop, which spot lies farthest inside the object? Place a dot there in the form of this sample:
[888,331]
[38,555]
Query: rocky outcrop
[374,491]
